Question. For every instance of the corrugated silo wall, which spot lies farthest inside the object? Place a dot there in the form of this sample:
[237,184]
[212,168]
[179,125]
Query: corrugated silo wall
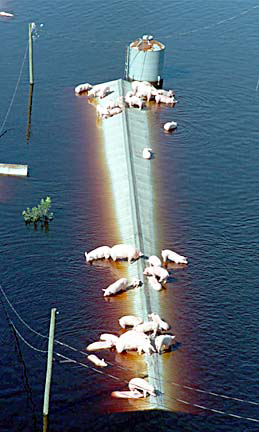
[145,65]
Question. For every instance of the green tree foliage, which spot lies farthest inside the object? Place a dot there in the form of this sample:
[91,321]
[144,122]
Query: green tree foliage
[40,213]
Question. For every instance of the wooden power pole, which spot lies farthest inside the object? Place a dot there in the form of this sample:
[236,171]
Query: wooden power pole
[49,370]
[31,54]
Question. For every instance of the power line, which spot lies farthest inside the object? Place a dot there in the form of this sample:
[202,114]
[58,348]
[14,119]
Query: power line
[215,394]
[112,364]
[21,361]
[213,410]
[215,24]
[25,341]
[15,90]
[188,32]
[89,367]
[124,381]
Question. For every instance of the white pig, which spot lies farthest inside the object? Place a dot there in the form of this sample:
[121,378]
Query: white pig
[132,339]
[153,260]
[164,342]
[103,92]
[165,99]
[170,126]
[157,271]
[108,337]
[115,110]
[133,394]
[129,320]
[163,325]
[135,283]
[147,153]
[116,287]
[169,255]
[102,112]
[141,384]
[155,284]
[99,345]
[83,87]
[98,253]
[122,251]
[98,362]
[147,326]
[165,92]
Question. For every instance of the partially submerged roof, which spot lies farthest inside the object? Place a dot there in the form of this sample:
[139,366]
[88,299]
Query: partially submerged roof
[125,136]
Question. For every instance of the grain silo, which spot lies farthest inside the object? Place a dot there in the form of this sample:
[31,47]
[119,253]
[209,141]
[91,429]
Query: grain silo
[145,60]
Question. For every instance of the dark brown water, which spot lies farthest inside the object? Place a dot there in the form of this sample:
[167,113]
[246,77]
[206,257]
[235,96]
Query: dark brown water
[207,209]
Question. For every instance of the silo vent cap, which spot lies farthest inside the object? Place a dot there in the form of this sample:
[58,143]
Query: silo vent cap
[148,37]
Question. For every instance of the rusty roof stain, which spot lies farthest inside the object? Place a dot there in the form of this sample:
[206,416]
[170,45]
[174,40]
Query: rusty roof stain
[147,45]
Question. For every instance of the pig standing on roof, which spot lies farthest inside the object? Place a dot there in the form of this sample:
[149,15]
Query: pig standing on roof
[122,251]
[163,325]
[109,337]
[129,320]
[83,87]
[164,342]
[140,384]
[157,271]
[116,287]
[155,284]
[147,153]
[132,339]
[153,260]
[103,92]
[147,326]
[98,253]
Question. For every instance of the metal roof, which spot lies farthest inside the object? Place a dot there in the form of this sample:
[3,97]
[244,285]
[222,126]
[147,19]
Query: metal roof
[147,43]
[125,136]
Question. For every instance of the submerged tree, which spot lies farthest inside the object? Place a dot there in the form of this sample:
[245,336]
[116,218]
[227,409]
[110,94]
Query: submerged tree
[40,213]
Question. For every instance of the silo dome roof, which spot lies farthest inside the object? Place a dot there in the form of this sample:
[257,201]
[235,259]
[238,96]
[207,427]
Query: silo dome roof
[147,43]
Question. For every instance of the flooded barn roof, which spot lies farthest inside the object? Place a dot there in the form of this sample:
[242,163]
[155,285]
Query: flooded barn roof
[124,136]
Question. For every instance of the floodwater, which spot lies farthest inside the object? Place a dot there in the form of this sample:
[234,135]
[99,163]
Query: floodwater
[207,209]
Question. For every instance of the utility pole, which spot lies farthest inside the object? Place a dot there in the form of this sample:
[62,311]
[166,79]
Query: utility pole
[31,53]
[28,130]
[49,370]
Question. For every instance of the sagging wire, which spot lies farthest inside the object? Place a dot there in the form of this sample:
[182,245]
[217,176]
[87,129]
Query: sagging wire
[202,407]
[15,90]
[189,32]
[68,359]
[25,376]
[207,27]
[35,34]
[109,363]
[26,342]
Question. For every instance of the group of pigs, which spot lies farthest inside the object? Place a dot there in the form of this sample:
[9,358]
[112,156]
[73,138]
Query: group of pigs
[137,338]
[157,274]
[149,336]
[144,336]
[140,91]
